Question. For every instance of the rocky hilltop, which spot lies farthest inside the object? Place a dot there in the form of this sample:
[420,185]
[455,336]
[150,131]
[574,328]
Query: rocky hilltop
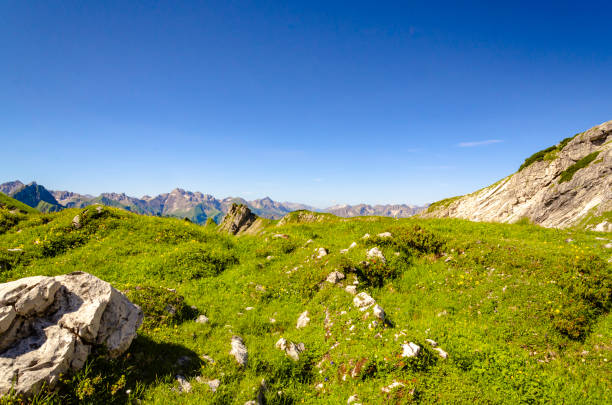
[565,185]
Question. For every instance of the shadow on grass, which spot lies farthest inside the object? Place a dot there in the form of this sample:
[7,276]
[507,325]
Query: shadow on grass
[124,379]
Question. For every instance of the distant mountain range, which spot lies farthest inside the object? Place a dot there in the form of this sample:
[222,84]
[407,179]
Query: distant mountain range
[180,203]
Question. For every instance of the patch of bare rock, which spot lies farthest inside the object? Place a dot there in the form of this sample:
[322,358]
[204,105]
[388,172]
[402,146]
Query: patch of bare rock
[53,323]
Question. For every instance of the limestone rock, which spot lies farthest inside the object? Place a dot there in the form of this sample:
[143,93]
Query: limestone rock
[351,289]
[239,350]
[363,301]
[303,320]
[54,322]
[239,220]
[335,277]
[410,350]
[441,352]
[385,235]
[291,349]
[202,319]
[375,253]
[536,192]
[76,222]
[392,386]
[321,252]
[183,384]
[379,312]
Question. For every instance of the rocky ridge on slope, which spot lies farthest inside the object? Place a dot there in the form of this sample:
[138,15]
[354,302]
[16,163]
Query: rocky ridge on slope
[565,185]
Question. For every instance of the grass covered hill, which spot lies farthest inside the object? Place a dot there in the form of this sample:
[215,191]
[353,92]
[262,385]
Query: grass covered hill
[521,311]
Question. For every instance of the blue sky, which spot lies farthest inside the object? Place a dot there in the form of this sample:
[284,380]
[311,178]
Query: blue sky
[316,102]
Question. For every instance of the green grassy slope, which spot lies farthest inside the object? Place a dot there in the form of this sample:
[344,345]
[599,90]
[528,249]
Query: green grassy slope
[523,314]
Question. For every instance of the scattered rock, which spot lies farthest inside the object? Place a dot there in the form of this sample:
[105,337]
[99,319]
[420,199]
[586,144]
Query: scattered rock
[351,289]
[366,236]
[269,258]
[378,312]
[202,319]
[375,253]
[363,301]
[239,350]
[15,250]
[569,240]
[410,350]
[385,235]
[249,308]
[183,384]
[208,358]
[433,343]
[352,245]
[608,245]
[303,320]
[213,384]
[392,386]
[291,349]
[352,398]
[76,222]
[441,352]
[335,277]
[281,235]
[53,322]
[260,288]
[448,259]
[321,252]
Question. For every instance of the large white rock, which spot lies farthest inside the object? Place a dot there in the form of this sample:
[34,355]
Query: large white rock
[335,277]
[48,325]
[291,349]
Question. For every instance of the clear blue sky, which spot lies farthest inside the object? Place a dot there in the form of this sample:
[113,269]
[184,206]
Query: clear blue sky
[315,102]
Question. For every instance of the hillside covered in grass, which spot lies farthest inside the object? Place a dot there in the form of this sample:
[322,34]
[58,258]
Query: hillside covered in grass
[522,312]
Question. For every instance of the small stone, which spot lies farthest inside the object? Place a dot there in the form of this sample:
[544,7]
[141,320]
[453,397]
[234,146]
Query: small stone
[608,245]
[249,308]
[352,398]
[448,259]
[410,350]
[334,277]
[260,288]
[366,236]
[76,222]
[352,245]
[363,301]
[378,312]
[280,235]
[392,386]
[303,320]
[441,352]
[321,252]
[213,384]
[183,384]
[15,250]
[375,253]
[385,235]
[239,350]
[433,343]
[351,289]
[202,319]
[269,258]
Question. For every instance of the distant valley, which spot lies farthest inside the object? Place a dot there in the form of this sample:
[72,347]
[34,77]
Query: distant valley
[179,203]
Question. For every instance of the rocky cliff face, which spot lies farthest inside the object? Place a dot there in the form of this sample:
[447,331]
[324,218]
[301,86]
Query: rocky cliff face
[565,185]
[240,220]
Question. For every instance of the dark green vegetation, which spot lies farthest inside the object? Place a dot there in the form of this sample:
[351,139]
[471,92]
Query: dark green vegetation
[568,173]
[546,154]
[523,315]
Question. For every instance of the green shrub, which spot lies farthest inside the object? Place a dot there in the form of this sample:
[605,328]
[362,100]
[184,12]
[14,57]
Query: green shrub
[536,157]
[161,306]
[568,173]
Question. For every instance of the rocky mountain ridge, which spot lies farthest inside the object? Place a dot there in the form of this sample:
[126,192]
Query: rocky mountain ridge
[565,185]
[196,206]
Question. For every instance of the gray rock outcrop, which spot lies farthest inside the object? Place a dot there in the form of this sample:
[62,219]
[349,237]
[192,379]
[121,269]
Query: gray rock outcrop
[48,326]
[538,192]
[238,220]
